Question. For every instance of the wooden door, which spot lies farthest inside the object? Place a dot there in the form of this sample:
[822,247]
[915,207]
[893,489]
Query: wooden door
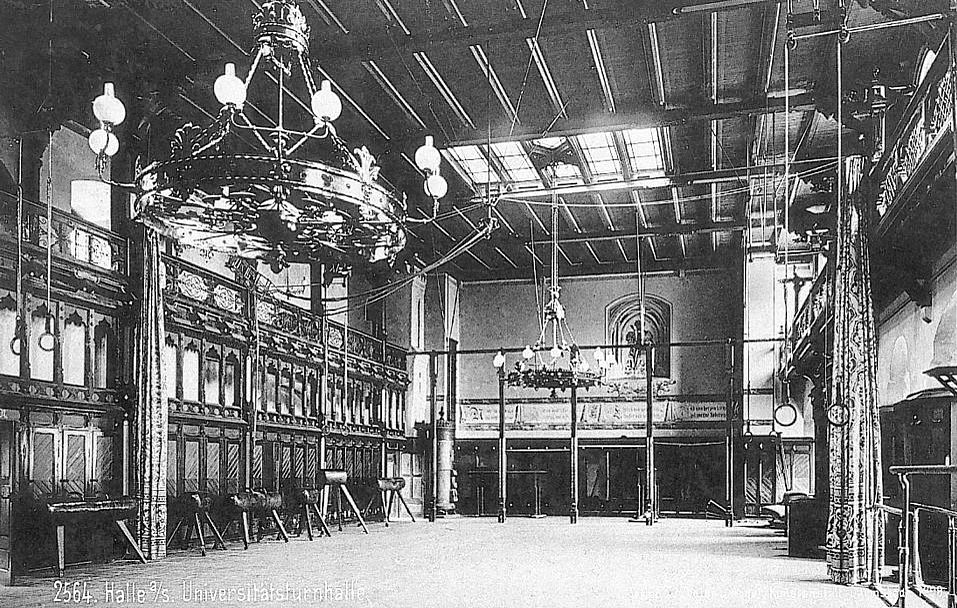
[7,472]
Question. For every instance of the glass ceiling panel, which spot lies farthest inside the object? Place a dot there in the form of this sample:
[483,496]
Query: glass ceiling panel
[516,163]
[568,174]
[601,155]
[644,150]
[473,163]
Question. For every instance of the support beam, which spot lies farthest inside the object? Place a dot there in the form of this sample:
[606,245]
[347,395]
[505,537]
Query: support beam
[663,231]
[647,118]
[729,174]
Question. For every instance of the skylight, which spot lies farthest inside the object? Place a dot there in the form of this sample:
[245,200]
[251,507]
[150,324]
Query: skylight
[473,163]
[644,150]
[516,163]
[601,155]
[567,174]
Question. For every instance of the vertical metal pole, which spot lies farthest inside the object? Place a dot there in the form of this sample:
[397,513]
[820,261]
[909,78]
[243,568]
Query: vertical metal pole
[651,493]
[729,414]
[951,567]
[573,509]
[903,542]
[434,468]
[502,456]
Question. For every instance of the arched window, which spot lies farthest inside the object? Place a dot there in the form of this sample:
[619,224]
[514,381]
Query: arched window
[9,362]
[169,366]
[42,326]
[211,376]
[623,325]
[74,350]
[191,372]
[103,356]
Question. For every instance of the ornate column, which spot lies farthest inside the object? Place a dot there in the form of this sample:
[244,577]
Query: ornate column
[854,538]
[152,416]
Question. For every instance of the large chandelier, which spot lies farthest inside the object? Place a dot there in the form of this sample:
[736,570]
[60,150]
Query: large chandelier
[535,370]
[269,179]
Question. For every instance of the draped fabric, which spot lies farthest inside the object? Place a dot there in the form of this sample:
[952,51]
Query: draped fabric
[854,538]
[151,407]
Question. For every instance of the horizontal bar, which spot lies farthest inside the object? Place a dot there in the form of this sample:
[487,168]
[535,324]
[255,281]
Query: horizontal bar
[714,176]
[924,469]
[517,349]
[875,26]
[679,230]
[887,509]
[934,509]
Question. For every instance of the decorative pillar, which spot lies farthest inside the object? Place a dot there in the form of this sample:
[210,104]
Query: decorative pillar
[152,416]
[433,436]
[650,491]
[445,432]
[854,539]
[502,454]
[573,446]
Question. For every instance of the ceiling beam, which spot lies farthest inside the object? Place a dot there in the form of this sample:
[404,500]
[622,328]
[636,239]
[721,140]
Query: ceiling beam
[649,233]
[732,174]
[721,261]
[648,118]
[379,45]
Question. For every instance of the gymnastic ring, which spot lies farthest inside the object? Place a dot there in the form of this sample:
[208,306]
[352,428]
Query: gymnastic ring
[16,345]
[838,415]
[789,419]
[47,342]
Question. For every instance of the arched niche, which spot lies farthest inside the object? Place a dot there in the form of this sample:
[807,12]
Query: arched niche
[623,320]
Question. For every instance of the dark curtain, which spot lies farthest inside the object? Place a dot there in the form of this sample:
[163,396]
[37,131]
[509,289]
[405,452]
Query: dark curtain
[151,407]
[854,537]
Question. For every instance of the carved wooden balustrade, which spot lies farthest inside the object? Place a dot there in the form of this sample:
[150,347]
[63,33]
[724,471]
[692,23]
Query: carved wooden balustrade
[220,308]
[921,138]
[808,323]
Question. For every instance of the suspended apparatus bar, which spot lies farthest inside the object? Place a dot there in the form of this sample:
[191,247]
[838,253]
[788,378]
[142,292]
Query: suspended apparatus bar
[519,349]
[873,26]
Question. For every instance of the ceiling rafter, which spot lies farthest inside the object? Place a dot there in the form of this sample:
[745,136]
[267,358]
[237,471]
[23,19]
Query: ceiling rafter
[602,72]
[443,88]
[478,53]
[469,252]
[383,81]
[392,16]
[326,13]
[545,72]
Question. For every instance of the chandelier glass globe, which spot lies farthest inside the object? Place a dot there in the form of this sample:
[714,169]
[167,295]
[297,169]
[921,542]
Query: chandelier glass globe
[104,142]
[229,89]
[436,186]
[326,105]
[107,108]
[427,157]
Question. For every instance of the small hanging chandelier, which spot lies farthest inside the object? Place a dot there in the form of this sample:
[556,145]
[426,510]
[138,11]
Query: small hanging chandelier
[535,371]
[276,183]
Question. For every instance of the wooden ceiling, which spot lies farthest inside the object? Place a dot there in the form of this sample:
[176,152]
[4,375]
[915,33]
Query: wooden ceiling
[709,86]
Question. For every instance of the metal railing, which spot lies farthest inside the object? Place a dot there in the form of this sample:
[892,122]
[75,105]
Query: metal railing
[910,577]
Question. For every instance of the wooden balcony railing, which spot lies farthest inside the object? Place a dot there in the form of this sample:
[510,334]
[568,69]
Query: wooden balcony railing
[200,286]
[809,318]
[73,239]
[922,133]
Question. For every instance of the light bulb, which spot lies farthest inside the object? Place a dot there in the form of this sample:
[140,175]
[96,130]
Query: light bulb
[326,105]
[499,360]
[229,89]
[599,356]
[528,353]
[104,142]
[583,364]
[556,352]
[427,157]
[107,108]
[436,186]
